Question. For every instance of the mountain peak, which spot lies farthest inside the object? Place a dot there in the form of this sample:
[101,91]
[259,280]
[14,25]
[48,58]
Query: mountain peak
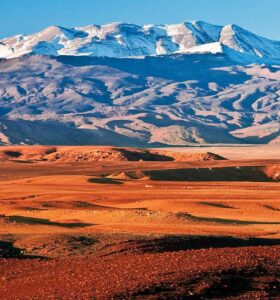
[129,40]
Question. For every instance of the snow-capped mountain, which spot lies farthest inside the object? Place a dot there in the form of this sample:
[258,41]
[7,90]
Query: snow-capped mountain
[129,40]
[129,85]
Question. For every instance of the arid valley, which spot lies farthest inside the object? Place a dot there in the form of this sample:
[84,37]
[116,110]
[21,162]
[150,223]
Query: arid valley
[125,223]
[139,150]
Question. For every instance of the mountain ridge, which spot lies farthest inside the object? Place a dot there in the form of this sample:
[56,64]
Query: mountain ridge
[123,84]
[131,40]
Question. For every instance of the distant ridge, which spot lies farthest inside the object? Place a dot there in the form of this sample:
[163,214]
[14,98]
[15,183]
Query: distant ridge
[130,40]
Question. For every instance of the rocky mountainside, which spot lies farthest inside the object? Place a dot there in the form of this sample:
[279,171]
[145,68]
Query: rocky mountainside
[122,84]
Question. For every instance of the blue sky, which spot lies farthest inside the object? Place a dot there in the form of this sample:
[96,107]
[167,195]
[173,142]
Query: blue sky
[28,16]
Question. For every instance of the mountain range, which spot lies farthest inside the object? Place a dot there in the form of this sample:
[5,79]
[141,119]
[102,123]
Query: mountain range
[152,85]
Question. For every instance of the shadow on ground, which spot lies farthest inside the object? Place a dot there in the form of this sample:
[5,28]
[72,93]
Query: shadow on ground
[8,250]
[39,221]
[226,284]
[180,243]
[254,174]
[190,217]
[105,181]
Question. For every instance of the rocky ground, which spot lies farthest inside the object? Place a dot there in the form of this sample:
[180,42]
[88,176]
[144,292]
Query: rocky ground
[140,227]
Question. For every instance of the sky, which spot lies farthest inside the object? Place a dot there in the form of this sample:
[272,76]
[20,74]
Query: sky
[29,16]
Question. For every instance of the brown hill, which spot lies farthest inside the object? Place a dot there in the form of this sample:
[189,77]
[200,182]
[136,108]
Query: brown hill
[97,154]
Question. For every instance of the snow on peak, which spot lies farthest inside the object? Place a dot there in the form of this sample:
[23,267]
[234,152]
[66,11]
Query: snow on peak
[251,45]
[130,40]
[213,48]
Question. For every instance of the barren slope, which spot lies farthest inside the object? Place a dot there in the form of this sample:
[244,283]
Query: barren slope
[202,99]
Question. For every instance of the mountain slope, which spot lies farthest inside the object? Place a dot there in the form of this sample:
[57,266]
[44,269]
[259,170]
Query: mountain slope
[180,99]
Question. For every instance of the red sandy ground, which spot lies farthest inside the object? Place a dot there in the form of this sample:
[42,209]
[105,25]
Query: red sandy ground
[141,230]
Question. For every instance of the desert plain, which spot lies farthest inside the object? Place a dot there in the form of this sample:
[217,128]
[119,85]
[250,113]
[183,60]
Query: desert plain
[123,223]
